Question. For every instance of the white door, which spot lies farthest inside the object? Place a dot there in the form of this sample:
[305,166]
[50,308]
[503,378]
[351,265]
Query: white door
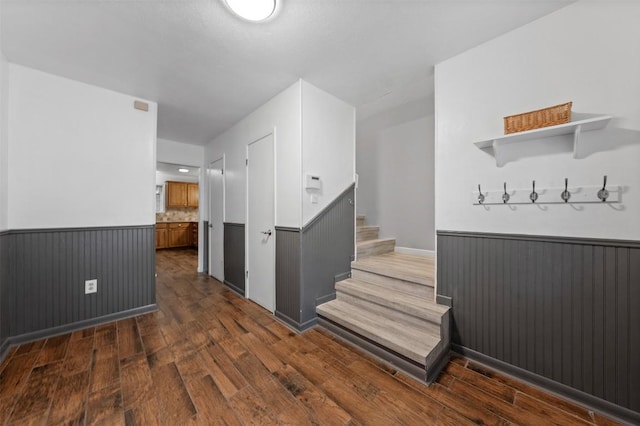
[261,279]
[216,226]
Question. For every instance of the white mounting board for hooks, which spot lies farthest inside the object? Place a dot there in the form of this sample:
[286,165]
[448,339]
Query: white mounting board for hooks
[579,194]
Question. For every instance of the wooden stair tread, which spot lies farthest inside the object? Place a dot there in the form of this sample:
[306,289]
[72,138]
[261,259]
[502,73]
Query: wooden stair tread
[407,267]
[413,342]
[394,299]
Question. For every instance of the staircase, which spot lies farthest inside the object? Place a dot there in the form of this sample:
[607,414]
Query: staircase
[387,307]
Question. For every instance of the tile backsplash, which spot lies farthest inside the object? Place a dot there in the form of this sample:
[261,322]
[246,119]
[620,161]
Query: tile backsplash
[186,214]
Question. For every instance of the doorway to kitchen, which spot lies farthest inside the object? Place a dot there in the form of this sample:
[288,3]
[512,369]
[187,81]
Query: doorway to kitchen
[177,207]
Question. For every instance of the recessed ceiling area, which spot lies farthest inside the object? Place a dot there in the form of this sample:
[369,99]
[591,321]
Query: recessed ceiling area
[207,69]
[172,171]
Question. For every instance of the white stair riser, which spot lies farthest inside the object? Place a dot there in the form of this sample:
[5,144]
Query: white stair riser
[373,249]
[414,289]
[390,314]
[405,311]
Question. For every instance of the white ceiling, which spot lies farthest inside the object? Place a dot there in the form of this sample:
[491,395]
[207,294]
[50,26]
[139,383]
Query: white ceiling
[207,69]
[172,169]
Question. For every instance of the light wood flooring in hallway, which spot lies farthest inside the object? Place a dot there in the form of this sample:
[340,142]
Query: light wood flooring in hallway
[209,356]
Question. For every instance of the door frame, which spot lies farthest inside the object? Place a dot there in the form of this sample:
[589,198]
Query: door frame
[210,200]
[247,277]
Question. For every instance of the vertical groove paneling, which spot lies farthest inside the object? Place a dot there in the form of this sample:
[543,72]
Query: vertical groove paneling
[327,245]
[564,309]
[309,259]
[621,362]
[598,322]
[43,274]
[288,273]
[633,333]
[234,256]
[4,279]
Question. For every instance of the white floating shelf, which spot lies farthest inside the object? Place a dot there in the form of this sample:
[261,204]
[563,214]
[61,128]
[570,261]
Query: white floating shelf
[573,127]
[582,195]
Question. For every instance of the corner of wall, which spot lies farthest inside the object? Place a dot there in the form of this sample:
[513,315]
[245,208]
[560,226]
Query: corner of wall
[4,190]
[328,148]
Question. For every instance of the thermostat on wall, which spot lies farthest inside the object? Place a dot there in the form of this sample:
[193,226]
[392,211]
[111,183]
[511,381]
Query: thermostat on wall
[313,182]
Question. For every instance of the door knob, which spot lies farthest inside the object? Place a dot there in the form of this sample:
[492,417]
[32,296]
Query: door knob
[267,233]
[210,225]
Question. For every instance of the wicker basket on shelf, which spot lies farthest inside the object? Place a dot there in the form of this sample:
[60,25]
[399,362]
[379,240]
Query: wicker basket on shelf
[551,116]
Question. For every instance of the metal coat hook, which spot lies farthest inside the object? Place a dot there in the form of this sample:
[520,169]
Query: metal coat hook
[505,196]
[603,194]
[534,195]
[480,195]
[565,194]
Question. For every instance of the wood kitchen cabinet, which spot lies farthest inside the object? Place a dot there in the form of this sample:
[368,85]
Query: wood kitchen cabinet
[179,234]
[162,235]
[181,194]
[170,235]
[192,195]
[194,234]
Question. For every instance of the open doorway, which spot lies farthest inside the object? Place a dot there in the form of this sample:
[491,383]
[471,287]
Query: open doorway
[177,206]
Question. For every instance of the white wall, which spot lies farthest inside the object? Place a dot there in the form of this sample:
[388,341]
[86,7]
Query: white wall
[586,53]
[179,153]
[80,155]
[282,115]
[395,166]
[162,178]
[328,147]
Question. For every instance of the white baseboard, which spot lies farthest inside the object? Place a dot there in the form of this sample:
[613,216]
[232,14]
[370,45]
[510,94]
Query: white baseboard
[416,252]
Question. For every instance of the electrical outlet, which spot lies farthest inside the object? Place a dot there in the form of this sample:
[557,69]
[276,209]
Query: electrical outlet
[90,286]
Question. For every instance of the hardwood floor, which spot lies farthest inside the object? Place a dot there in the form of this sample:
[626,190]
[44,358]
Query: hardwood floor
[208,356]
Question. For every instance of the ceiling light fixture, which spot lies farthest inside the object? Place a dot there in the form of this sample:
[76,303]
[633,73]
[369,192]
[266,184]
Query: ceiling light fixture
[252,10]
[183,170]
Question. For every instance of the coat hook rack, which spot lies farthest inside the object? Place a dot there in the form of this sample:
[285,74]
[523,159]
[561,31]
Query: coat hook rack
[566,195]
[505,195]
[534,195]
[600,194]
[603,194]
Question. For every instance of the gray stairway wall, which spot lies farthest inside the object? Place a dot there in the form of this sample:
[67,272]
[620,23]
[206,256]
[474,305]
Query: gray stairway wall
[562,311]
[43,272]
[234,256]
[327,250]
[308,260]
[288,275]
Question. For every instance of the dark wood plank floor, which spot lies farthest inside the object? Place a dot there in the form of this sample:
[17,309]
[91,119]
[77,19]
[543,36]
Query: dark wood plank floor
[209,356]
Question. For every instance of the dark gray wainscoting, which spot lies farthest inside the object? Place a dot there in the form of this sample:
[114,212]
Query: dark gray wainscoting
[44,270]
[563,310]
[309,260]
[4,279]
[288,275]
[234,256]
